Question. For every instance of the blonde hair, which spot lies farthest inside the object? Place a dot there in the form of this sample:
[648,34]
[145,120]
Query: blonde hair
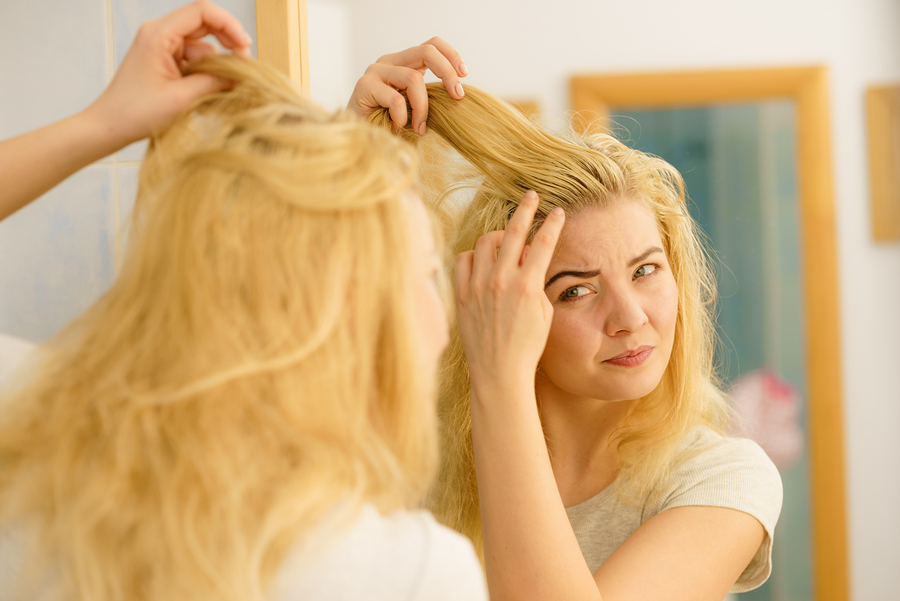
[506,155]
[253,368]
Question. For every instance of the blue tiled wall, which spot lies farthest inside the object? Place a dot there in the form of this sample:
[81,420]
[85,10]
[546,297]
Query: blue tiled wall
[59,254]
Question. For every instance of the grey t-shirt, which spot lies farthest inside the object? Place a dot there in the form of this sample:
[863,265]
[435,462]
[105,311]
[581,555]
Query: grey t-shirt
[729,472]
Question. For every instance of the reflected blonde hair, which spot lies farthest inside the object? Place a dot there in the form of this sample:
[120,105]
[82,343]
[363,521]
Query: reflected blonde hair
[253,368]
[504,156]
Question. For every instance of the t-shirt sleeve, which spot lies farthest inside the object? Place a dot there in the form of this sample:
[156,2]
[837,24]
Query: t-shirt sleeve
[451,570]
[737,474]
[13,352]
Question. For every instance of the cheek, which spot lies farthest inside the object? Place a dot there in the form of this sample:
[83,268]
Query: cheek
[570,336]
[665,308]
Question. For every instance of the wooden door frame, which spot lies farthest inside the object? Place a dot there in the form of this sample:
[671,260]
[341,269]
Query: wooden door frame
[591,97]
[282,38]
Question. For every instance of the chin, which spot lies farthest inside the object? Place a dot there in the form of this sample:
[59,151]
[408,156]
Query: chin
[630,388]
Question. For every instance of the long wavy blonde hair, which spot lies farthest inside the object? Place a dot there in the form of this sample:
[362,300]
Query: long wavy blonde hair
[253,367]
[504,156]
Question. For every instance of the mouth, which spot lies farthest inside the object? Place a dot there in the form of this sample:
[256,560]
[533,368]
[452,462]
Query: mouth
[632,358]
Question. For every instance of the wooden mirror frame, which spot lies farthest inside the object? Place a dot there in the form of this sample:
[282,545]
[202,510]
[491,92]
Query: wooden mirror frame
[282,38]
[591,97]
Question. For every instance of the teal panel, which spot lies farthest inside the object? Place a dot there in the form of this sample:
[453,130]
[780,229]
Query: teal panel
[738,163]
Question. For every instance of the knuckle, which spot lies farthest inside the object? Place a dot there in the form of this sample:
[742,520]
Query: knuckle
[368,79]
[497,285]
[145,30]
[517,228]
[543,239]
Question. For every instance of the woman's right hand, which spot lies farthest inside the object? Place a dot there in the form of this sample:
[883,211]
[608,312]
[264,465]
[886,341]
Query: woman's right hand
[504,316]
[383,80]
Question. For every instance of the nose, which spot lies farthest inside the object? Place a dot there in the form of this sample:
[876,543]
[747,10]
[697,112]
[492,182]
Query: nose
[624,312]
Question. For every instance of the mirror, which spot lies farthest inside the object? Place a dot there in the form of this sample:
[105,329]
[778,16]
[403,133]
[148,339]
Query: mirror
[738,163]
[805,90]
[813,541]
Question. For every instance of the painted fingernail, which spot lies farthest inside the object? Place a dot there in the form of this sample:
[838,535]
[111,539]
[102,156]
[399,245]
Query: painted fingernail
[459,90]
[462,69]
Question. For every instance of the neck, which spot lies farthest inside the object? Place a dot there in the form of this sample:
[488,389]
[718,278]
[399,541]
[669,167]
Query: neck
[579,431]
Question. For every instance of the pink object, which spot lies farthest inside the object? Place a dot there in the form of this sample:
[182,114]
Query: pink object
[768,412]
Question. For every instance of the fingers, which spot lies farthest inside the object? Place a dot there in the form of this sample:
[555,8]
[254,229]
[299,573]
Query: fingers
[194,86]
[405,70]
[202,18]
[450,53]
[372,92]
[486,263]
[543,245]
[486,255]
[403,78]
[463,273]
[194,50]
[436,55]
[517,231]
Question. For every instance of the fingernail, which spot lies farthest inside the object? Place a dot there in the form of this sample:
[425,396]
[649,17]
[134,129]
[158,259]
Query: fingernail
[459,90]
[531,195]
[557,212]
[422,129]
[247,39]
[462,69]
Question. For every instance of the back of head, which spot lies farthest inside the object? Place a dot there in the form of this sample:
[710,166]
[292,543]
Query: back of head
[253,367]
[504,155]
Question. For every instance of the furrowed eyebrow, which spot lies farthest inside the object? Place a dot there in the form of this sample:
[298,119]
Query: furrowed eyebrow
[646,253]
[577,274]
[596,272]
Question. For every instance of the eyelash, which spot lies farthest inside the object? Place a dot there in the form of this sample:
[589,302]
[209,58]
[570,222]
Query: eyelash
[656,267]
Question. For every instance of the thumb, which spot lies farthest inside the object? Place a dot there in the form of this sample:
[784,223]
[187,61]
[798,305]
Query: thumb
[196,85]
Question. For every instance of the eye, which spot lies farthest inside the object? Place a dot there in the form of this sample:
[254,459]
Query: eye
[645,270]
[574,293]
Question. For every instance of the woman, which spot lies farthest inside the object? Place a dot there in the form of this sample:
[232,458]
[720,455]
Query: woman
[246,413]
[582,426]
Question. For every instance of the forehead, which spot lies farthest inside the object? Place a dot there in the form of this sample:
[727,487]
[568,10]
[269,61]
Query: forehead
[619,231]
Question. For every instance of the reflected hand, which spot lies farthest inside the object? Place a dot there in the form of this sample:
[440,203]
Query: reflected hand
[148,90]
[504,315]
[381,84]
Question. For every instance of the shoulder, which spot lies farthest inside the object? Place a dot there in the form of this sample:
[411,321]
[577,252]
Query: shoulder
[451,569]
[723,471]
[404,554]
[726,469]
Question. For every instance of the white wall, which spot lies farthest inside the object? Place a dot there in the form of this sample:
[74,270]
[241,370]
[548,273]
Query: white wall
[529,48]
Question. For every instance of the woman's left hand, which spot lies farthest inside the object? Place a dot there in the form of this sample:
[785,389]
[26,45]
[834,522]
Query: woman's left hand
[504,315]
[148,90]
[146,94]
